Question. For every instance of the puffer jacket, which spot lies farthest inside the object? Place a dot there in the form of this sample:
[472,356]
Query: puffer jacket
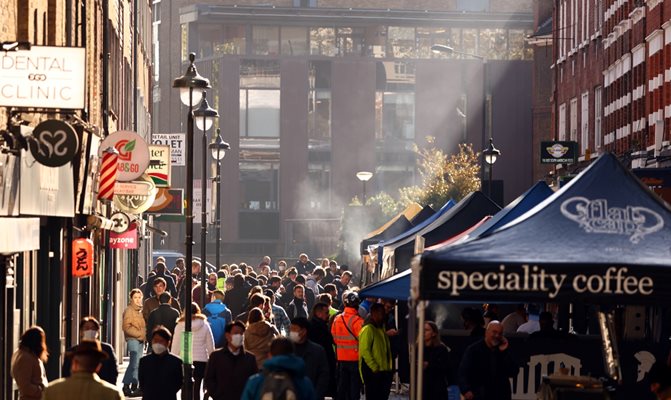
[202,342]
[133,325]
[257,340]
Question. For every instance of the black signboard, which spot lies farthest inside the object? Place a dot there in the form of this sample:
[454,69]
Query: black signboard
[559,152]
[55,143]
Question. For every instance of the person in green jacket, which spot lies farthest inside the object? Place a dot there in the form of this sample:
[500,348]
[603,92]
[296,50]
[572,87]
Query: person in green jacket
[375,361]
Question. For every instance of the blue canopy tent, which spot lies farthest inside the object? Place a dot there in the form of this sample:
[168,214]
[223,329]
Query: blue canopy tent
[397,254]
[604,237]
[398,286]
[423,215]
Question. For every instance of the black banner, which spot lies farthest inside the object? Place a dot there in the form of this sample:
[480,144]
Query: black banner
[559,152]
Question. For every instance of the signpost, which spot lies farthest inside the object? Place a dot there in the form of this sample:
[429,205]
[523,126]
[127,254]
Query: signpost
[55,144]
[43,77]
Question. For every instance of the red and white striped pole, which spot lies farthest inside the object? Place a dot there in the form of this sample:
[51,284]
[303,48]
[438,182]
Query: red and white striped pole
[108,170]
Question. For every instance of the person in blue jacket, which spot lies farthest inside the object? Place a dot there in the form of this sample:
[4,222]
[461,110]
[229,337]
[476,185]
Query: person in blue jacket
[282,360]
[218,316]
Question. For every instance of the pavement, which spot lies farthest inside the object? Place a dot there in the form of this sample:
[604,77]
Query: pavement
[402,395]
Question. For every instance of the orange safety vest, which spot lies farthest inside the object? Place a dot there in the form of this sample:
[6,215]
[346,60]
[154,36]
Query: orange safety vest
[347,346]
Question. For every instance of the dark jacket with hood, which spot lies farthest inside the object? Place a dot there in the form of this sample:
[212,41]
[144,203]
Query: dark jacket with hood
[290,364]
[226,373]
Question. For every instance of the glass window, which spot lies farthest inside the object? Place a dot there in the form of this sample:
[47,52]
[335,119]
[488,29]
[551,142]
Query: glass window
[472,5]
[259,98]
[322,42]
[294,40]
[233,41]
[265,40]
[427,37]
[319,101]
[375,41]
[401,41]
[207,40]
[350,41]
[185,42]
[259,195]
[399,115]
[469,39]
[493,44]
[518,48]
[260,74]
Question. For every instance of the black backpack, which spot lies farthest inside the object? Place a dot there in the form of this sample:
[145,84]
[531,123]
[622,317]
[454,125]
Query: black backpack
[278,385]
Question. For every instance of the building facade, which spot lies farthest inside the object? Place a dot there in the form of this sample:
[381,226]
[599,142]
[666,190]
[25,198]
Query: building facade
[612,85]
[311,92]
[38,282]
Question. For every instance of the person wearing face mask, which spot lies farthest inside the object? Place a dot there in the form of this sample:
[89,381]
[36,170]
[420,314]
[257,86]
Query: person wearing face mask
[314,356]
[486,367]
[229,367]
[160,373]
[89,329]
[320,333]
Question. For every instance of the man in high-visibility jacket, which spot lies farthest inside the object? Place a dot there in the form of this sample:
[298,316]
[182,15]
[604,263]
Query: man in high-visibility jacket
[375,358]
[345,329]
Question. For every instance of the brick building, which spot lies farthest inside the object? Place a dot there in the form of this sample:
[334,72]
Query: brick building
[613,90]
[38,284]
[310,92]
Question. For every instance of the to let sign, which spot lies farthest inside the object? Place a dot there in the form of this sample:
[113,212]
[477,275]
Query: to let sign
[159,165]
[176,143]
[43,77]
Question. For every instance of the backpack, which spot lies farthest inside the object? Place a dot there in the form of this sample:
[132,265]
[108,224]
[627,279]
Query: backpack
[278,385]
[217,325]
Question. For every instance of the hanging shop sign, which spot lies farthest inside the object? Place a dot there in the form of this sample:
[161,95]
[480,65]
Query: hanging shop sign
[126,240]
[168,202]
[56,143]
[559,152]
[135,197]
[159,165]
[43,77]
[82,257]
[133,154]
[176,142]
[121,222]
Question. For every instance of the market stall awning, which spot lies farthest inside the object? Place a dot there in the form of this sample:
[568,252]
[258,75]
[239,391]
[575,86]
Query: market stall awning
[396,254]
[397,288]
[393,227]
[603,237]
[426,213]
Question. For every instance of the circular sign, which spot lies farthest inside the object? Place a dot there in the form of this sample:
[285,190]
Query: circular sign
[55,144]
[121,222]
[138,200]
[133,154]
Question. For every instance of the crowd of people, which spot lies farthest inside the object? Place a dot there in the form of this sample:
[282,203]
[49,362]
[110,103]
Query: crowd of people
[270,332]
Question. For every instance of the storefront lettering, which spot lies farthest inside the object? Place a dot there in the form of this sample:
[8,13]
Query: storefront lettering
[535,279]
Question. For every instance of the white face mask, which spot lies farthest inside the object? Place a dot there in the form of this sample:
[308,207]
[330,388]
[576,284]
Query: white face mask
[237,339]
[158,348]
[295,337]
[90,335]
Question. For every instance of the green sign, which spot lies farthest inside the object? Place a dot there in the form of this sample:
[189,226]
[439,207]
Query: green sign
[559,152]
[185,348]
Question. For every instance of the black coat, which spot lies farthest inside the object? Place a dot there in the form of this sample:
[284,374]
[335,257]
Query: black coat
[436,372]
[164,315]
[486,372]
[316,366]
[226,373]
[303,269]
[160,376]
[170,285]
[108,372]
[320,333]
[235,300]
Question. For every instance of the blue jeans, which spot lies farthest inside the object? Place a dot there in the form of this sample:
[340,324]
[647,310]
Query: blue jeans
[135,350]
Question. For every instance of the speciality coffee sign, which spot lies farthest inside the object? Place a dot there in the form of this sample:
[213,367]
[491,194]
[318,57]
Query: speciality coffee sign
[559,152]
[56,143]
[133,151]
[542,283]
[43,77]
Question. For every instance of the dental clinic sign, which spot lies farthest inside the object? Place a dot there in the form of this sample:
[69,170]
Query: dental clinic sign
[43,77]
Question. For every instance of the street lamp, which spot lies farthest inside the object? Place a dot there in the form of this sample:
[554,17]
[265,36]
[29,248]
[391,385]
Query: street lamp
[187,83]
[204,116]
[364,176]
[486,97]
[490,155]
[218,149]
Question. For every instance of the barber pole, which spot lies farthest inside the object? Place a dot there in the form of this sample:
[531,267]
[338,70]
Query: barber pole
[108,171]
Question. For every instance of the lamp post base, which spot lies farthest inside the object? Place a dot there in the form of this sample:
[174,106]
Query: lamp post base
[187,386]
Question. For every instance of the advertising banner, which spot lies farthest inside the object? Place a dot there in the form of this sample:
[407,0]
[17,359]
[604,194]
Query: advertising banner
[559,152]
[126,240]
[43,77]
[133,151]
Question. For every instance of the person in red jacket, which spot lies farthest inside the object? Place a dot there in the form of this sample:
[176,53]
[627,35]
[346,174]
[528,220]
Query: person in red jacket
[345,330]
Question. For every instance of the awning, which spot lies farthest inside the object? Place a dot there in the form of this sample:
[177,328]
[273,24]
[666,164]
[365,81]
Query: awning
[19,234]
[396,287]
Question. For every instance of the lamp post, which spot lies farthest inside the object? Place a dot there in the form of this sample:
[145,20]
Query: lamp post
[364,176]
[486,97]
[218,149]
[490,155]
[187,83]
[204,116]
